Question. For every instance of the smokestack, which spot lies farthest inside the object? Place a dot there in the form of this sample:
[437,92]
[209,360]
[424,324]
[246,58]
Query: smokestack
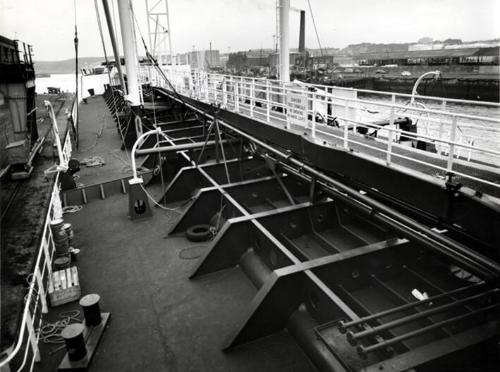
[302,32]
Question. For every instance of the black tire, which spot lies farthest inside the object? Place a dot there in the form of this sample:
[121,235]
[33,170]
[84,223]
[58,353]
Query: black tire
[198,233]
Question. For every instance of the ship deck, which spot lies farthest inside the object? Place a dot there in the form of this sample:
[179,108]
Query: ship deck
[160,320]
[163,320]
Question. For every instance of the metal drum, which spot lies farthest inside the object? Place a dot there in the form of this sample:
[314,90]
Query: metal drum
[58,232]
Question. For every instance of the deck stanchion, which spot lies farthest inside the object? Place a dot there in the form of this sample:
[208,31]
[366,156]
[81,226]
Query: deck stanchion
[41,291]
[224,93]
[346,136]
[268,103]
[237,96]
[252,100]
[32,337]
[389,147]
[313,126]
[284,99]
[392,115]
[451,152]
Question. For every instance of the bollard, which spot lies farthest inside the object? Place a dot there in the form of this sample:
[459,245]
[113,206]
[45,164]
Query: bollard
[91,311]
[75,344]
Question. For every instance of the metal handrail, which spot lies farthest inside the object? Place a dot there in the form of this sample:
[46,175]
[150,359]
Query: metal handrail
[230,89]
[37,296]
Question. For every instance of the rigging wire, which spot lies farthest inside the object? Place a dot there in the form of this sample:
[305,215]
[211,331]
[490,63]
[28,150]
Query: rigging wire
[315,29]
[75,41]
[105,54]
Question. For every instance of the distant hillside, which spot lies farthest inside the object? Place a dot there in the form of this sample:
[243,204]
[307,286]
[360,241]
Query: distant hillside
[66,66]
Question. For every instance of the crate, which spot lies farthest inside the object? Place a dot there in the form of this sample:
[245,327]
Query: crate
[64,286]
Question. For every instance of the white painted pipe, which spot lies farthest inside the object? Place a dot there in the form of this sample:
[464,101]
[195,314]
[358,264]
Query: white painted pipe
[129,50]
[139,140]
[414,92]
[284,40]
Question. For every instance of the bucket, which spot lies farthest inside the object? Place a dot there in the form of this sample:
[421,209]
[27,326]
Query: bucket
[91,91]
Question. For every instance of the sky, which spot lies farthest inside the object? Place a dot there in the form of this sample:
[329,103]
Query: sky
[233,25]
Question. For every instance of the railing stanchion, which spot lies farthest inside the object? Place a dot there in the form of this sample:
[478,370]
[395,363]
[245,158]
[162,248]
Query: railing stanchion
[313,125]
[346,136]
[346,112]
[268,102]
[47,252]
[237,96]
[441,127]
[451,152]
[252,98]
[284,98]
[392,117]
[207,87]
[41,291]
[224,92]
[389,147]
[32,336]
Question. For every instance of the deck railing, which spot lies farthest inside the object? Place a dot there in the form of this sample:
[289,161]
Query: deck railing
[460,132]
[24,352]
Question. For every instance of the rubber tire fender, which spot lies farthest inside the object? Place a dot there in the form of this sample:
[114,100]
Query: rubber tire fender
[198,233]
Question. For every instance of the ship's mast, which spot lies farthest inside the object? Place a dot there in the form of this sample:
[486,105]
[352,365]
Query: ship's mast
[129,51]
[284,53]
[159,31]
[116,52]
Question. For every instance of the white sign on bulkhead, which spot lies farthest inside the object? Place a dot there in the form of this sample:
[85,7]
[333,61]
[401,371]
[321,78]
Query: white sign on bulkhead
[297,106]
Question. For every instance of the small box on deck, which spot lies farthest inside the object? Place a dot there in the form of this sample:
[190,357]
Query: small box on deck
[64,286]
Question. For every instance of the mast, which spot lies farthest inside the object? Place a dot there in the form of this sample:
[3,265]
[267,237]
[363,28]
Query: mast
[109,22]
[129,51]
[284,53]
[159,32]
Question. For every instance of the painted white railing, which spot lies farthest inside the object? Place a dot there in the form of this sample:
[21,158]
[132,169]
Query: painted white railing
[24,352]
[461,131]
